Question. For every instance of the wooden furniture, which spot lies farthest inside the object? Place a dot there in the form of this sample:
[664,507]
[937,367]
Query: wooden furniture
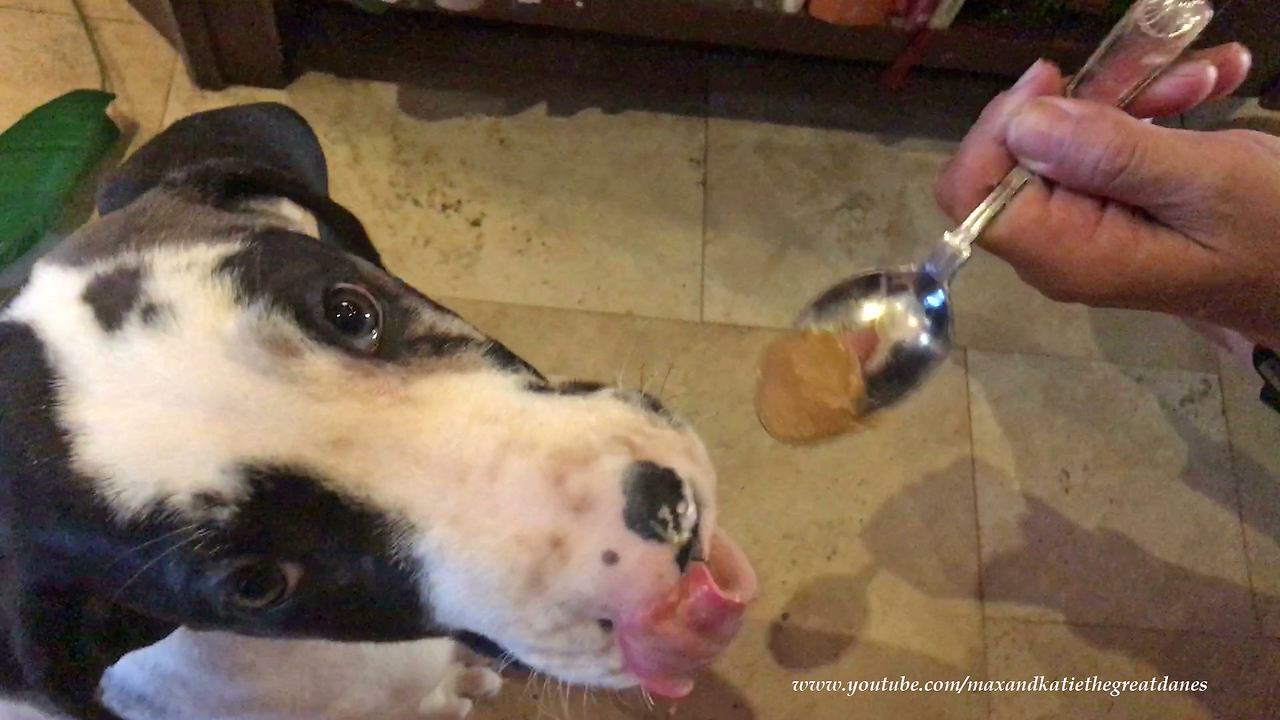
[268,42]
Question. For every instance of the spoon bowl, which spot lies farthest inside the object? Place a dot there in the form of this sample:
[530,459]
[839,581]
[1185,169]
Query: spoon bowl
[898,321]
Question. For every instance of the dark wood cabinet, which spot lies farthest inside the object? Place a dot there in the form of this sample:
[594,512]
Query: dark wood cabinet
[267,42]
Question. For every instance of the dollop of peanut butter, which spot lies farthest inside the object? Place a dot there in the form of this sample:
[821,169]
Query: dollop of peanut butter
[809,387]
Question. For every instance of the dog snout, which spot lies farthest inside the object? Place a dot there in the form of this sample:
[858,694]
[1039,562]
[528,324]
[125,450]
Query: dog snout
[660,506]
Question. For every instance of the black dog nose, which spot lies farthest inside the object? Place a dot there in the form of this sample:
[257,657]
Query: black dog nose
[660,507]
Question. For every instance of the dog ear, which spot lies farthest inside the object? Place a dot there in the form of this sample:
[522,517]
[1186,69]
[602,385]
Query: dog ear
[236,154]
[262,134]
[229,185]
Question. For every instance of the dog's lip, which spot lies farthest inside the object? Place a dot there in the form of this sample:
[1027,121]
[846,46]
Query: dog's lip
[667,641]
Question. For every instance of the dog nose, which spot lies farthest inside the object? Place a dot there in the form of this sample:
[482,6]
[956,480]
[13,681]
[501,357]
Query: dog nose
[660,507]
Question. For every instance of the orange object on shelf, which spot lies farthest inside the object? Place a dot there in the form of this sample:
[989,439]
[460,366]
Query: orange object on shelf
[851,12]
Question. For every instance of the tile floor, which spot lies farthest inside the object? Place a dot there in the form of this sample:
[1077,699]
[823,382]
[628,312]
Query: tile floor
[1089,493]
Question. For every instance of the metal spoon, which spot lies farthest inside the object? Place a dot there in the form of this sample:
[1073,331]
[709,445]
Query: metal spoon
[901,318]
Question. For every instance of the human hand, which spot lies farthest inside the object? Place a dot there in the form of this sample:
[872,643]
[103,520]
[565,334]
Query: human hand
[1135,215]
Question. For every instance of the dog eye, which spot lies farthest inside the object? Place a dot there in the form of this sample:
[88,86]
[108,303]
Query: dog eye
[260,585]
[353,312]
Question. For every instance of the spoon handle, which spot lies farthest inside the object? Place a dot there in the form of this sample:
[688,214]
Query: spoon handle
[1146,41]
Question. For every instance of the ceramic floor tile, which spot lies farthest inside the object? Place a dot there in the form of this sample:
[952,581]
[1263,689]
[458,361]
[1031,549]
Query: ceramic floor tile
[793,210]
[865,546]
[96,9]
[1255,441]
[1105,496]
[997,311]
[931,111]
[1238,673]
[592,210]
[46,55]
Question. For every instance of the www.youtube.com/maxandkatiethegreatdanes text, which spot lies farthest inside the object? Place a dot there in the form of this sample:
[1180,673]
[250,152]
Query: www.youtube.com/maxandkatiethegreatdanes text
[1039,683]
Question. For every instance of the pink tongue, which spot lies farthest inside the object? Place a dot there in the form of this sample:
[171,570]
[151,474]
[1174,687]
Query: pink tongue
[666,642]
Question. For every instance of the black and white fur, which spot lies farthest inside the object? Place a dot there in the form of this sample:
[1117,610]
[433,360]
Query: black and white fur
[219,411]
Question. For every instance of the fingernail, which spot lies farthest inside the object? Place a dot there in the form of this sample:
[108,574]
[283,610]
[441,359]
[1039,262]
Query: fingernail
[1037,68]
[1035,132]
[1196,69]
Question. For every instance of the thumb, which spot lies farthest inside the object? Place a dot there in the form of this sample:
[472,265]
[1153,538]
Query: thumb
[1101,151]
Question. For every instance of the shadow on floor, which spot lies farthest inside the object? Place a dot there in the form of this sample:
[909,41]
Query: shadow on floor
[937,107]
[1074,572]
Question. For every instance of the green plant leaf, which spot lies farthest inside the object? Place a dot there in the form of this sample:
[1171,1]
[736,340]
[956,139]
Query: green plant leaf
[43,158]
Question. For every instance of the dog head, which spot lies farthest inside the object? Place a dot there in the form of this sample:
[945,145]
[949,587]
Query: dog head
[232,417]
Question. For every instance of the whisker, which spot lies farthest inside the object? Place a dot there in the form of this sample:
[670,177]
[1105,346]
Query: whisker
[647,697]
[666,377]
[626,360]
[151,542]
[177,546]
[533,674]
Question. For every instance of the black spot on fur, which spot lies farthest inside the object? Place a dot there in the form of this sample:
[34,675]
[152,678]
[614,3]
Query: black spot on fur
[609,557]
[653,496]
[113,295]
[573,387]
[149,313]
[653,405]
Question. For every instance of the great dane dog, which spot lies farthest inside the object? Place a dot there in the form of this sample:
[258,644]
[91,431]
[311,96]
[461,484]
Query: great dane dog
[225,428]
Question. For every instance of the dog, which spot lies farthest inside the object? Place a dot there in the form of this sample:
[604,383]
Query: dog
[224,424]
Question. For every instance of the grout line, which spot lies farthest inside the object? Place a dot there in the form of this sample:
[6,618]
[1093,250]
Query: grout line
[168,91]
[70,14]
[706,152]
[977,525]
[1239,488]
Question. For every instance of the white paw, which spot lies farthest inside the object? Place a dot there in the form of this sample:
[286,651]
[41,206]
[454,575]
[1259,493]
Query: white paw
[465,681]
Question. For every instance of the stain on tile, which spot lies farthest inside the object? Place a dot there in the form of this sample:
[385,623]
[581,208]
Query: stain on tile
[1237,673]
[1105,496]
[997,311]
